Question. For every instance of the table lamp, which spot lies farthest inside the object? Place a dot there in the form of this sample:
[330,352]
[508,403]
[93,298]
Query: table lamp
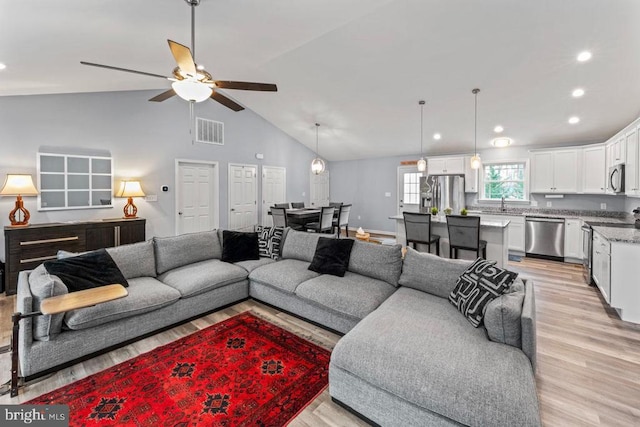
[130,189]
[19,185]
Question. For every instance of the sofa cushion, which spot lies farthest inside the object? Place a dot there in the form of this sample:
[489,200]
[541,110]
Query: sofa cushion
[270,241]
[176,251]
[352,295]
[377,261]
[145,294]
[430,273]
[502,319]
[252,264]
[300,245]
[239,246]
[479,284]
[135,260]
[203,276]
[90,270]
[332,256]
[44,285]
[418,347]
[284,275]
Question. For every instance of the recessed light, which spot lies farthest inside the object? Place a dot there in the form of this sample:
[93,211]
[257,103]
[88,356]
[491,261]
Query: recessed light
[501,142]
[577,93]
[498,129]
[573,120]
[584,56]
[2,66]
[437,136]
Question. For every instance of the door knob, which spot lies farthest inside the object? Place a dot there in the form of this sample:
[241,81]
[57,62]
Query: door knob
[232,210]
[179,213]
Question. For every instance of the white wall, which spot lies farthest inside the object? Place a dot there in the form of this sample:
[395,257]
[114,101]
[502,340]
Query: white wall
[144,139]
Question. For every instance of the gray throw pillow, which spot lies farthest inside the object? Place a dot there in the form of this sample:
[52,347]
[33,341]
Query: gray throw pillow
[502,319]
[376,261]
[135,260]
[44,285]
[430,273]
[176,251]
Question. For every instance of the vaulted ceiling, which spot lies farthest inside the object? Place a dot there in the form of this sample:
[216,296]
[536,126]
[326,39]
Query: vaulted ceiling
[358,67]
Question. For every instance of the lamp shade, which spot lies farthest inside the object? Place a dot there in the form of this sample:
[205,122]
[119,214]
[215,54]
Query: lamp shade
[130,189]
[18,185]
[192,90]
[422,165]
[476,162]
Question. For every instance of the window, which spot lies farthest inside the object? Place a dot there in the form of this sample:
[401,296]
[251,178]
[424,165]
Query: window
[412,188]
[506,180]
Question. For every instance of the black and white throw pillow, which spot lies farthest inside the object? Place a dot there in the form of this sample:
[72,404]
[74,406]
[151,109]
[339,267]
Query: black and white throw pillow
[269,241]
[477,286]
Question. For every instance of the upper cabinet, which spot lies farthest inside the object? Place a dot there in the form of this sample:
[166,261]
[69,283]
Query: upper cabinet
[445,165]
[616,150]
[593,169]
[554,171]
[470,177]
[631,176]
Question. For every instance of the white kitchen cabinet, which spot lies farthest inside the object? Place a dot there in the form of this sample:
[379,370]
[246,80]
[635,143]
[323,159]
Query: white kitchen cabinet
[631,181]
[601,265]
[445,165]
[617,150]
[554,171]
[470,176]
[573,240]
[593,169]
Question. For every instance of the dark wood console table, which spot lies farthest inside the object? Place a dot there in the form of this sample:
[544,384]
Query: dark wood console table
[27,247]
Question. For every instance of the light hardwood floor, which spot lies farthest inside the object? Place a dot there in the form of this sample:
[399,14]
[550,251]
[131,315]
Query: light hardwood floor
[588,359]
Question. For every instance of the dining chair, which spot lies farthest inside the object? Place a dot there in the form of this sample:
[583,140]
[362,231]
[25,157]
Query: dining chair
[418,230]
[325,221]
[281,205]
[279,216]
[297,205]
[342,220]
[464,233]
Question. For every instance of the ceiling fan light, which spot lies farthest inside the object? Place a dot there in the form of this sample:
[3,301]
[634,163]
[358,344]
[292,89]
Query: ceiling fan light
[422,165]
[476,162]
[317,166]
[190,90]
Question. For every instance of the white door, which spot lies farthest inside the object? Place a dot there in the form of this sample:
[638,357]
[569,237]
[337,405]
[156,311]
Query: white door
[320,189]
[274,190]
[408,189]
[196,196]
[243,200]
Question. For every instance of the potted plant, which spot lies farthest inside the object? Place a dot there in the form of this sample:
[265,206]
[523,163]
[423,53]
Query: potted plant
[434,211]
[463,211]
[448,211]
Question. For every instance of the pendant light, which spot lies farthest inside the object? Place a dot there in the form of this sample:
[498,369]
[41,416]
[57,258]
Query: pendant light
[422,163]
[317,164]
[475,160]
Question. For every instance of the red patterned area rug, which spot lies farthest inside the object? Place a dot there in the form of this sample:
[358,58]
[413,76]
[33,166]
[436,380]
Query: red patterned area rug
[243,371]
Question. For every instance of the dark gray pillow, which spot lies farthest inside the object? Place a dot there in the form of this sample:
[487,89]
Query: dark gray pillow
[502,319]
[477,286]
[430,273]
[87,271]
[44,285]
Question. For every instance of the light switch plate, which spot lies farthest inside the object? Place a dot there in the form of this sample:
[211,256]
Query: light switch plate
[387,194]
[549,204]
[151,198]
[603,206]
[534,204]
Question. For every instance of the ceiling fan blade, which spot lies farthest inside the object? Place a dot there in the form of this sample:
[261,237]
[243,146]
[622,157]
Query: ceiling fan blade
[123,69]
[227,102]
[183,57]
[164,95]
[227,84]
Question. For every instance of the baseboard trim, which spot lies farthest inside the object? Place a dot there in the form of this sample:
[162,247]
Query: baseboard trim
[354,412]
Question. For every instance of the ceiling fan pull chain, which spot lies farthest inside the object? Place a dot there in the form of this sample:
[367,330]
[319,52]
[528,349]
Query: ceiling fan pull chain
[193,29]
[191,122]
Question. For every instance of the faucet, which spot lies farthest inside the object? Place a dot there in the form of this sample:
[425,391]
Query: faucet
[502,208]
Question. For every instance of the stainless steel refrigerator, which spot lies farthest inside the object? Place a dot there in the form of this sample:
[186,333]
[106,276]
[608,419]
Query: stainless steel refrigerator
[442,191]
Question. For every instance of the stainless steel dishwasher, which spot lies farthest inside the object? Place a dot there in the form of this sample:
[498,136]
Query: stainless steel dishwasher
[544,237]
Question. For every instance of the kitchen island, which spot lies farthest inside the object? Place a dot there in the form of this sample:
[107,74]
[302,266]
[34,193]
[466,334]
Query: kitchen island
[495,232]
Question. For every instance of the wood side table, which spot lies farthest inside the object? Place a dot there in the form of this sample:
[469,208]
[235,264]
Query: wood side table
[56,305]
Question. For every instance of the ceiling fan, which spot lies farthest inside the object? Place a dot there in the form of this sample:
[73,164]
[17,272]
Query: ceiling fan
[192,82]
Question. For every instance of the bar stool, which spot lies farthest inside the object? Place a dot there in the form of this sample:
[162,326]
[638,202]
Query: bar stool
[464,233]
[418,230]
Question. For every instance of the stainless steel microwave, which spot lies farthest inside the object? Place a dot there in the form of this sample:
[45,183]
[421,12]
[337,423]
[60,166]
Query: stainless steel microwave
[616,178]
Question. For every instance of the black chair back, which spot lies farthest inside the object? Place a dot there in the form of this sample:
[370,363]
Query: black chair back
[279,216]
[281,205]
[464,231]
[297,205]
[417,227]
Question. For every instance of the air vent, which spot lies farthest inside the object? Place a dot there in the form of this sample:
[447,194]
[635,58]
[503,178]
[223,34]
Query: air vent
[209,131]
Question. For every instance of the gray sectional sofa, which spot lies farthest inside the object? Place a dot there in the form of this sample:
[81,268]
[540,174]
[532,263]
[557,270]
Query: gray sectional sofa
[408,356]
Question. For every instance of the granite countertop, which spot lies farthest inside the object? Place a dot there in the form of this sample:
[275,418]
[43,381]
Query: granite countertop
[442,220]
[622,235]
